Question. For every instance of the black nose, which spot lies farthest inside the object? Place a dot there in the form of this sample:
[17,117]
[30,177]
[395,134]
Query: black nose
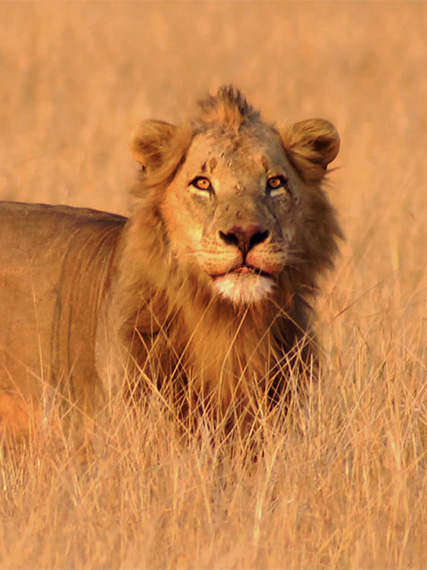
[244,238]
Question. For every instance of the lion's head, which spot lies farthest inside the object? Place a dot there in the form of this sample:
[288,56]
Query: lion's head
[240,200]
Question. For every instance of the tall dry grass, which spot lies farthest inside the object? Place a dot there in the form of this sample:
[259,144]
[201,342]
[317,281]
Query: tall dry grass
[345,484]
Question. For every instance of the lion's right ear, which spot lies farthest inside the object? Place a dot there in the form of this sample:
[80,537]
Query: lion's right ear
[154,144]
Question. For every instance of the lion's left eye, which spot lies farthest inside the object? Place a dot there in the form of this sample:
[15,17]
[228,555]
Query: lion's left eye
[202,183]
[275,184]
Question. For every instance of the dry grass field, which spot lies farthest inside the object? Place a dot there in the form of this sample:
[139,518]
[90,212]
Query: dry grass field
[344,483]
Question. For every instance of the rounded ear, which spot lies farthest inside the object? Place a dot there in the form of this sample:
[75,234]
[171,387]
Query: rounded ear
[153,143]
[311,145]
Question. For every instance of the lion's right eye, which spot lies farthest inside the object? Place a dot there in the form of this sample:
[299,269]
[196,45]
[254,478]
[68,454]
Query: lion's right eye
[202,183]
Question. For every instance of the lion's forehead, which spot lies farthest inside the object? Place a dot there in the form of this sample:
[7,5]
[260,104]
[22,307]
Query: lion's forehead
[237,155]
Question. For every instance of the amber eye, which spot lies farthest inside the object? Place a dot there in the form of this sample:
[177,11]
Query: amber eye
[275,183]
[202,183]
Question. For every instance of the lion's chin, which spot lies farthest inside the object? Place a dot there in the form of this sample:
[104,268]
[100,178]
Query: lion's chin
[243,288]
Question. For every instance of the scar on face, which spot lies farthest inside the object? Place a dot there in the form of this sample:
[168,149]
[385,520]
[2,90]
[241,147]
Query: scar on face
[265,163]
[212,164]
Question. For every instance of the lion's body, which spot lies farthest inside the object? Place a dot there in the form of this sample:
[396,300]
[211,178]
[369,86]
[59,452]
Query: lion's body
[54,268]
[204,292]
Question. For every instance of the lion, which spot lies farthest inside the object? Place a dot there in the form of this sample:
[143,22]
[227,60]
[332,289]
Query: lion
[204,293]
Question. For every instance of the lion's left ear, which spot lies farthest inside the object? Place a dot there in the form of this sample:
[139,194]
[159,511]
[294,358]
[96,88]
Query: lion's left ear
[154,144]
[311,145]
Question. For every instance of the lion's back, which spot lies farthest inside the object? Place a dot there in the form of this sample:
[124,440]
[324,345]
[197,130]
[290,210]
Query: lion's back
[54,263]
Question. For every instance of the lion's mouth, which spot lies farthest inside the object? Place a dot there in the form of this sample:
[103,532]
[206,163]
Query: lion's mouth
[244,284]
[244,269]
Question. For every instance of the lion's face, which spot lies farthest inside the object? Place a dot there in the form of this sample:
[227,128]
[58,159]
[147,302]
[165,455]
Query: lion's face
[232,209]
[240,202]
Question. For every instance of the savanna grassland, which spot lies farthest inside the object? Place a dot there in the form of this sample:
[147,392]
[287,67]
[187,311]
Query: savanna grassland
[344,483]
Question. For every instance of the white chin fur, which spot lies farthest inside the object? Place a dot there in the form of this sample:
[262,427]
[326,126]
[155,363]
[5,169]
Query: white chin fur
[243,289]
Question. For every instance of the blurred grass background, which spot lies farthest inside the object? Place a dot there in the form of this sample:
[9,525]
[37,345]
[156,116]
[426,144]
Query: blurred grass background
[75,78]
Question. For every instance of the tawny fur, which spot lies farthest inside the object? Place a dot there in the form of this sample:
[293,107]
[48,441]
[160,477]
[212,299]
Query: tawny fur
[93,303]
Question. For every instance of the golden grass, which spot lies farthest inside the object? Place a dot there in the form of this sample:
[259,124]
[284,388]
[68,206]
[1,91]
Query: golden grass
[345,484]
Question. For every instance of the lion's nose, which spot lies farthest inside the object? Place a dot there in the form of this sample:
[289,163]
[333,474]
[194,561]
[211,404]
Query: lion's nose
[244,238]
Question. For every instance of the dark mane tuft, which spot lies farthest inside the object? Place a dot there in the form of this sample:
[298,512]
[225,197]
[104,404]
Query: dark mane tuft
[228,106]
